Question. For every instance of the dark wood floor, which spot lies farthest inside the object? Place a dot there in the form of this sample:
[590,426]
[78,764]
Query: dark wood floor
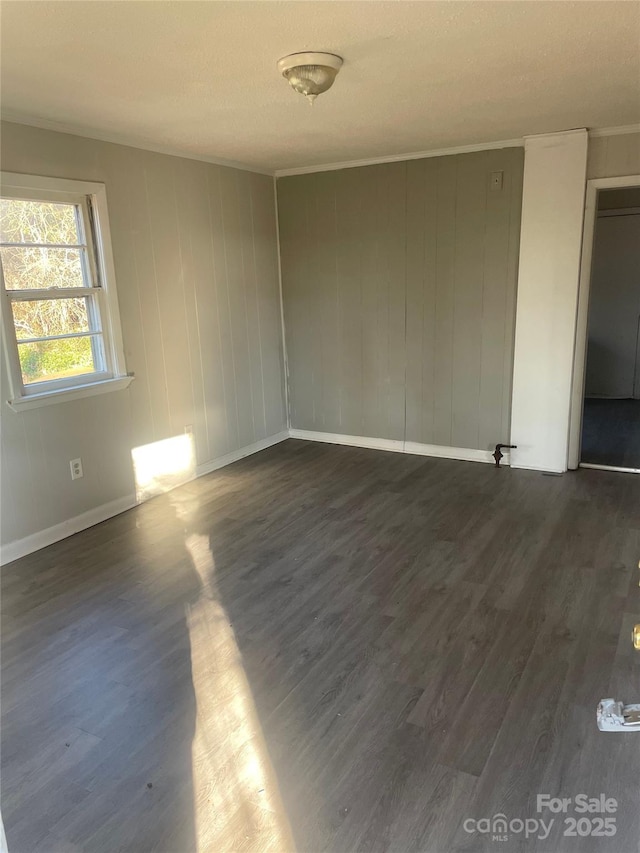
[611,432]
[325,648]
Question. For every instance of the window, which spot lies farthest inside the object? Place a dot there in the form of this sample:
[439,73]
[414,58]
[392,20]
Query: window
[60,314]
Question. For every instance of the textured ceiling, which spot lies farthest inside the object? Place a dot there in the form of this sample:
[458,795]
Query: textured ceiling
[200,77]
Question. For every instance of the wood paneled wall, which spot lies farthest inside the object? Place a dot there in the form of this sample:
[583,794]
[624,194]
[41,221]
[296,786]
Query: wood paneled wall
[399,285]
[196,261]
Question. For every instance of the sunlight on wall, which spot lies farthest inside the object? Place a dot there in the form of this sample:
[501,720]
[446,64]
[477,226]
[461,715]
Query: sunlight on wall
[163,465]
[237,800]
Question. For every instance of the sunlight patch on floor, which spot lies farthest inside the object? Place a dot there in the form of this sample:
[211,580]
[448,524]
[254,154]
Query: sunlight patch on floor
[237,800]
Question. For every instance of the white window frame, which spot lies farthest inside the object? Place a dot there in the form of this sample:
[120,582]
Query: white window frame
[112,375]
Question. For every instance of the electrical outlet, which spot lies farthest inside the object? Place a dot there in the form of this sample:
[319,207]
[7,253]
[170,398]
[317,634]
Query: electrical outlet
[76,469]
[188,429]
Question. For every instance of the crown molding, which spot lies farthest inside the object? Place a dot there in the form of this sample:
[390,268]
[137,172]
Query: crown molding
[571,132]
[456,149]
[147,145]
[123,139]
[614,131]
[398,158]
[550,140]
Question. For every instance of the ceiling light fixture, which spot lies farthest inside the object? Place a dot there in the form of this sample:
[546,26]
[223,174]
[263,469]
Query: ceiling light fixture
[311,74]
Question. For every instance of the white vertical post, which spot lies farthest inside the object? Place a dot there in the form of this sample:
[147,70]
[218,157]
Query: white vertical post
[555,169]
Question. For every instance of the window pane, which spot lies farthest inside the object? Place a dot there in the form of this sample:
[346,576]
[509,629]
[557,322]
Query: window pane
[45,317]
[43,362]
[37,222]
[31,268]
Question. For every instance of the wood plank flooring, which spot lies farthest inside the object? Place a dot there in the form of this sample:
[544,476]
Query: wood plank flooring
[324,648]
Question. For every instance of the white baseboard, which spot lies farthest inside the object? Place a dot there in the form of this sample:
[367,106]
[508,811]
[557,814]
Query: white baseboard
[21,547]
[228,458]
[350,440]
[464,454]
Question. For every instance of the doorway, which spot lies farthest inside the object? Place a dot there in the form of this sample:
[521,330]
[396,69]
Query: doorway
[608,433]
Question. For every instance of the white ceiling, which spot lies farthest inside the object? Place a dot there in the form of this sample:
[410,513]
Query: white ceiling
[200,77]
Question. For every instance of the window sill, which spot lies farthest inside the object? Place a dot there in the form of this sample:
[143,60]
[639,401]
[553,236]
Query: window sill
[65,395]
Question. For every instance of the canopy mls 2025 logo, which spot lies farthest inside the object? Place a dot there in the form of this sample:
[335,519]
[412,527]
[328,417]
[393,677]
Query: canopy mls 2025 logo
[583,817]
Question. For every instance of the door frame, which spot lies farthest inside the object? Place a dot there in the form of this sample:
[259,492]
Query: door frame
[582,314]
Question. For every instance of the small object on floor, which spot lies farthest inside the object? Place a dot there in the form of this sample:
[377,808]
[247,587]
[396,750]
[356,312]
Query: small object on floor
[149,784]
[613,716]
[497,453]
